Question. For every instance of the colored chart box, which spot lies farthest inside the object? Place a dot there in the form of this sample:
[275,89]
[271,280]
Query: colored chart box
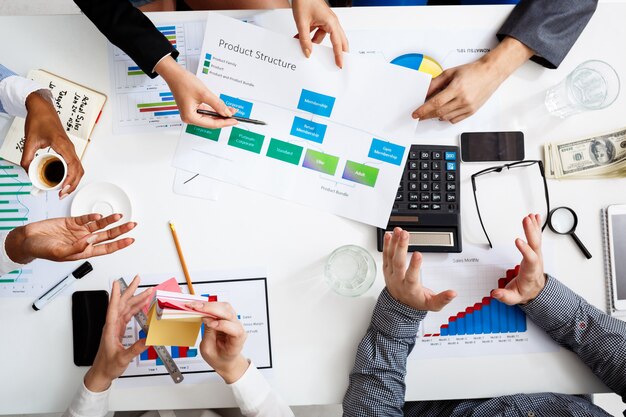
[203,132]
[246,140]
[363,174]
[284,151]
[316,103]
[244,108]
[308,130]
[321,162]
[386,152]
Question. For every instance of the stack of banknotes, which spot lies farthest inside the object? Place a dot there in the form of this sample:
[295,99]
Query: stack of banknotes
[602,156]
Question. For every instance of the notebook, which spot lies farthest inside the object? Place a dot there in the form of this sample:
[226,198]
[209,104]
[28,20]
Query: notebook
[608,263]
[79,109]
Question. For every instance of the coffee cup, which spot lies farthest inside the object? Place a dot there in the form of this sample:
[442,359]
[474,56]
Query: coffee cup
[47,172]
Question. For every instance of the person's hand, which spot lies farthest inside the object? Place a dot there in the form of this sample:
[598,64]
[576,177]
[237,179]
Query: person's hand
[224,337]
[43,129]
[67,238]
[113,358]
[315,15]
[531,279]
[191,94]
[403,283]
[459,92]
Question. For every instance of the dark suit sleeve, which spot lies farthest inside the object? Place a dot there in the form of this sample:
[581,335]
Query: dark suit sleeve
[129,29]
[548,27]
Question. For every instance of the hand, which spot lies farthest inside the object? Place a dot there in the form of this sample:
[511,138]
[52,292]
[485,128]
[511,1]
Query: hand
[459,92]
[191,94]
[531,279]
[67,238]
[315,15]
[113,358]
[223,340]
[403,284]
[43,129]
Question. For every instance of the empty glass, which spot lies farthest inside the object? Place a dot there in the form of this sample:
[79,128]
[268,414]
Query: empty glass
[350,270]
[593,85]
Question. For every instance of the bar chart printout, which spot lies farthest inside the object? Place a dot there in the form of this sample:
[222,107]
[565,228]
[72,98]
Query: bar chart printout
[475,324]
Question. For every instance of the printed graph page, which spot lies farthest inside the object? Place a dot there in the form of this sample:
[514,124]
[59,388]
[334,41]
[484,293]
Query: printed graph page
[335,139]
[474,324]
[245,290]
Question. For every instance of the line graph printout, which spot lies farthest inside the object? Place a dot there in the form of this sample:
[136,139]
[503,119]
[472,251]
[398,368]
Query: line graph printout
[328,142]
[474,324]
[143,104]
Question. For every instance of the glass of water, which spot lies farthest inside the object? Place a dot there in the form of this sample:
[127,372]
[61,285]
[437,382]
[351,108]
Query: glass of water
[593,85]
[350,270]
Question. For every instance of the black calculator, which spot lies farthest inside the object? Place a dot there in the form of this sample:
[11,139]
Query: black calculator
[428,201]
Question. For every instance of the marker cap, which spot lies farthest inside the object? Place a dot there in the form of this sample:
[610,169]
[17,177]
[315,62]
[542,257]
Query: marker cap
[82,270]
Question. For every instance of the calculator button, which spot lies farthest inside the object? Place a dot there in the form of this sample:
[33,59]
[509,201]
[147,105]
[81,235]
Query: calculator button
[450,186]
[436,197]
[450,176]
[450,166]
[435,176]
[395,208]
[435,186]
[399,196]
[413,186]
[425,165]
[424,155]
[413,197]
[435,207]
[413,206]
[424,197]
[412,155]
[436,166]
[424,186]
[436,155]
[424,206]
[413,165]
[450,198]
[424,176]
[450,156]
[412,176]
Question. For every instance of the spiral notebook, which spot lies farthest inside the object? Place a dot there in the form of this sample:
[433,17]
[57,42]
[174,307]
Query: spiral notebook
[608,262]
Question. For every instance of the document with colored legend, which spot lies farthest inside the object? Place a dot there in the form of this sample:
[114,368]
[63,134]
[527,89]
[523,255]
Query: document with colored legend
[245,290]
[335,139]
[142,104]
[475,324]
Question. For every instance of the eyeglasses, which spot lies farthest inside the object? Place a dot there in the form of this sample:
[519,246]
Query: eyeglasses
[519,164]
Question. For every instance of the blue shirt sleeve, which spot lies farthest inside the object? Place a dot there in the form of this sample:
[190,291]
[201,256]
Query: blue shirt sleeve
[4,73]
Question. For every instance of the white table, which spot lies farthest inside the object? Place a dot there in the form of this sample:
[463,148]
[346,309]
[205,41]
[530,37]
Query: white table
[314,331]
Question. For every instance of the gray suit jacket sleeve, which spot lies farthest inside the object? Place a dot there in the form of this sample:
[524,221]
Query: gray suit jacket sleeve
[548,27]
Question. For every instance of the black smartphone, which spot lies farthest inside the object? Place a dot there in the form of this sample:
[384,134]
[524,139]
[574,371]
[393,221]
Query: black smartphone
[492,146]
[89,310]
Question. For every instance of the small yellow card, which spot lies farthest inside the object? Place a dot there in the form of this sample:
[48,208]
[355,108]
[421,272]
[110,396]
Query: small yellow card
[171,332]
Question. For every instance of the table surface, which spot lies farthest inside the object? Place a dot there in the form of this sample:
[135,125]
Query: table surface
[314,331]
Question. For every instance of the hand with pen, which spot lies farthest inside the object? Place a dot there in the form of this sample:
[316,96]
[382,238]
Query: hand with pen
[67,238]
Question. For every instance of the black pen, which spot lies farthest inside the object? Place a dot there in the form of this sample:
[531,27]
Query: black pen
[58,288]
[239,119]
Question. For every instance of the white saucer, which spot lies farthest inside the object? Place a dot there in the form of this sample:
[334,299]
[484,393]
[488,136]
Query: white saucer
[103,198]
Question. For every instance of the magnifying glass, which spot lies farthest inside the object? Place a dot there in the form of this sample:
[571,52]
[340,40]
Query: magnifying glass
[563,221]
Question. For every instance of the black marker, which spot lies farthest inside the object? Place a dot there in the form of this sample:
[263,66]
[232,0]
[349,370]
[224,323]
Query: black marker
[80,272]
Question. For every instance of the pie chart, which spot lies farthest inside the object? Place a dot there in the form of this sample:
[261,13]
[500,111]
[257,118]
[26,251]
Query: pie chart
[419,62]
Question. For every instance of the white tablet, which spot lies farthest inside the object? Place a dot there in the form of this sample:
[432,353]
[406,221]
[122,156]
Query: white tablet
[616,217]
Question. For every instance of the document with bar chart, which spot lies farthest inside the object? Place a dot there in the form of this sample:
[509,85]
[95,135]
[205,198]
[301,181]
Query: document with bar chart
[335,139]
[474,324]
[245,290]
[17,208]
[142,104]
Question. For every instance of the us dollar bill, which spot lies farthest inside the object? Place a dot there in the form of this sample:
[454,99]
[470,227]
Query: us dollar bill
[602,155]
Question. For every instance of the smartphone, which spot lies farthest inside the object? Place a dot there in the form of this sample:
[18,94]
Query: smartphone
[89,310]
[616,222]
[492,146]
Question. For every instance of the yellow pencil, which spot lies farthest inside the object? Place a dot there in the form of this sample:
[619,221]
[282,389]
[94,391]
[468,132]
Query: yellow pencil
[182,259]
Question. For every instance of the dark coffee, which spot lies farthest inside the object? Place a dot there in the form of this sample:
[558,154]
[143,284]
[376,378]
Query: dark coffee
[52,172]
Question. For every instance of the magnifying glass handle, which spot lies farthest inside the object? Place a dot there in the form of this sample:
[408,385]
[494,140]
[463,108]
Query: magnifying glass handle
[581,246]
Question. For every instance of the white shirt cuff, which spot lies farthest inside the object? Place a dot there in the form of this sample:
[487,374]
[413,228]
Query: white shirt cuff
[89,404]
[250,390]
[6,264]
[159,61]
[13,93]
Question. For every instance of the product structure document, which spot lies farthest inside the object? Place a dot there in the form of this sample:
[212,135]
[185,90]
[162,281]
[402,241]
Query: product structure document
[335,139]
